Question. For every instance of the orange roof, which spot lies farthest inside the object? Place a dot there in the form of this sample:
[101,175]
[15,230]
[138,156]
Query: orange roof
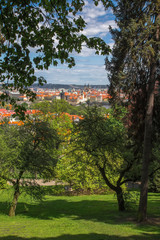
[19,123]
[66,94]
[73,116]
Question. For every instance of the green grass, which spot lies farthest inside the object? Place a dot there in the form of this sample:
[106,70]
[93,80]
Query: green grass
[75,218]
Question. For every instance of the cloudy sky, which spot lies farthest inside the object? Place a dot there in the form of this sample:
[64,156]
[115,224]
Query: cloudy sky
[89,67]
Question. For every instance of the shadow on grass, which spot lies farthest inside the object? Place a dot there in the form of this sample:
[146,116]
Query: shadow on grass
[97,210]
[91,210]
[91,236]
[103,211]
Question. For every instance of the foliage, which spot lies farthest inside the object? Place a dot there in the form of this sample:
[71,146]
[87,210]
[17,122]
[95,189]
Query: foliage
[31,148]
[3,184]
[154,182]
[52,29]
[56,190]
[131,198]
[104,139]
[134,70]
[71,168]
[154,175]
[25,105]
[135,47]
[58,107]
[75,169]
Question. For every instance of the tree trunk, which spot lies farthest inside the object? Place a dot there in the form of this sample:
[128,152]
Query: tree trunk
[117,189]
[12,210]
[120,199]
[147,150]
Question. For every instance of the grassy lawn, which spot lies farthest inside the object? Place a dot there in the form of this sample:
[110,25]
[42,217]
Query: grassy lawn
[76,218]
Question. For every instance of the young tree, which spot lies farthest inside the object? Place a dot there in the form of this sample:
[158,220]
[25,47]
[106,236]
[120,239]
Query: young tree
[51,28]
[105,141]
[33,149]
[134,68]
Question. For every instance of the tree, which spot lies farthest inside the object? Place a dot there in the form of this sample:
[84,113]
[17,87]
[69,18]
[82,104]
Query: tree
[29,149]
[51,28]
[58,107]
[134,68]
[75,169]
[105,141]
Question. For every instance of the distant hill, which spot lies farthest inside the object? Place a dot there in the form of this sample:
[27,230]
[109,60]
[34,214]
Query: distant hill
[68,86]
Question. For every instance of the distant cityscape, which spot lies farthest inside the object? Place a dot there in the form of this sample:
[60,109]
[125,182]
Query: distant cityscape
[73,94]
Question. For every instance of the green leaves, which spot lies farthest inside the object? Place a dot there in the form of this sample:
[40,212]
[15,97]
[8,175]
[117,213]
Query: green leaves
[102,138]
[76,169]
[97,133]
[53,28]
[32,148]
[135,46]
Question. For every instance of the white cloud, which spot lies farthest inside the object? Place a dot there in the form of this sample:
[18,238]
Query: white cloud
[98,20]
[97,28]
[81,74]
[92,11]
[89,68]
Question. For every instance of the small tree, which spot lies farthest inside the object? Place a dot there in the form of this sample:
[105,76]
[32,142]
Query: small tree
[105,139]
[33,149]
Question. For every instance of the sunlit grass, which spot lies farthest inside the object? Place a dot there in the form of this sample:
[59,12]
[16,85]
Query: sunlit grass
[93,217]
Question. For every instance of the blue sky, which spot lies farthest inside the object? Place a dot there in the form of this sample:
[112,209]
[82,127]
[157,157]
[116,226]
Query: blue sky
[89,67]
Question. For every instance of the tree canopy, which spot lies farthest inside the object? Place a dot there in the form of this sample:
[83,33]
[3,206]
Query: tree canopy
[134,69]
[58,107]
[52,29]
[28,149]
[104,140]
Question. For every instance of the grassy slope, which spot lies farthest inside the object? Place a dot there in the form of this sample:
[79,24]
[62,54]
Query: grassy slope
[75,218]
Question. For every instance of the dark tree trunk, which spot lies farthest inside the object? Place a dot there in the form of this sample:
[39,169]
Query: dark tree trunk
[120,199]
[142,212]
[117,189]
[12,210]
